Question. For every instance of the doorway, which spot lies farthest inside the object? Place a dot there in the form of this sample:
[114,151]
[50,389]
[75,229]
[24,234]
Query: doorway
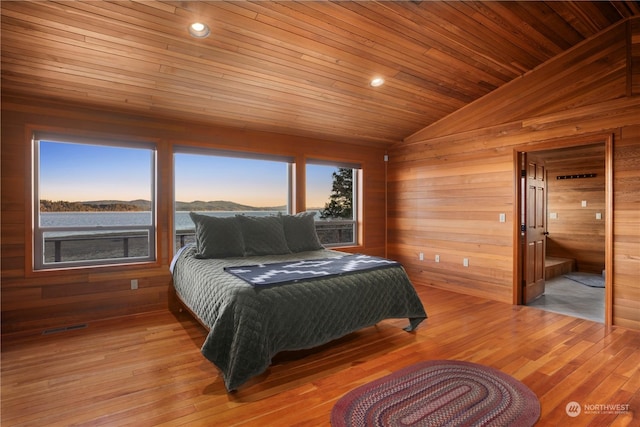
[569,180]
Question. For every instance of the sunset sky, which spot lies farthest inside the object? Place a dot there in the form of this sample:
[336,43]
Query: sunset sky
[79,172]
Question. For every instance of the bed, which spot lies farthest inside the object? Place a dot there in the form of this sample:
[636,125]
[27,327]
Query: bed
[249,323]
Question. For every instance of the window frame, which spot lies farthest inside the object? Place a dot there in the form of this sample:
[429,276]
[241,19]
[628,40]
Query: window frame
[38,231]
[214,152]
[357,171]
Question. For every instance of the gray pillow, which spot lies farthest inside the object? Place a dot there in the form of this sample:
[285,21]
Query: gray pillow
[217,237]
[263,235]
[300,232]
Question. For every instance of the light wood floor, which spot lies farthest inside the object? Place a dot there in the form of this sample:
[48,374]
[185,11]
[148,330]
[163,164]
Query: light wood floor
[148,370]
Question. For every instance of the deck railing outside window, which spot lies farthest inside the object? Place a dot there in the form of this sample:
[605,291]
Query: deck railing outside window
[331,233]
[90,246]
[135,243]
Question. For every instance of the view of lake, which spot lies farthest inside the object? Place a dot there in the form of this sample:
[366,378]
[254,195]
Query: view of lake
[107,219]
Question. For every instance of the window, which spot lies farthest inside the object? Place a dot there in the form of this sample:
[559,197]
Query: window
[94,202]
[220,183]
[332,192]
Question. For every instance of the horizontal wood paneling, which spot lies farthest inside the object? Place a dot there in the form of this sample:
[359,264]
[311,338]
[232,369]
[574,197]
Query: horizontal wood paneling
[533,111]
[301,69]
[39,300]
[430,213]
[452,210]
[576,233]
[296,67]
[547,90]
[634,71]
[626,228]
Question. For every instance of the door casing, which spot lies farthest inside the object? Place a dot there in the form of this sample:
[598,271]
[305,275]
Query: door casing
[607,139]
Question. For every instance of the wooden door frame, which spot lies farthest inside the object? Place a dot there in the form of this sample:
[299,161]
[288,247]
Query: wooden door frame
[607,139]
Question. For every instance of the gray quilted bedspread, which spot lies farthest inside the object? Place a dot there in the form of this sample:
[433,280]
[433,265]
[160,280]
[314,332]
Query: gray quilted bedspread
[249,325]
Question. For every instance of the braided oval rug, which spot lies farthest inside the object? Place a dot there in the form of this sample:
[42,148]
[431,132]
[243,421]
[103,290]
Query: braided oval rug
[439,393]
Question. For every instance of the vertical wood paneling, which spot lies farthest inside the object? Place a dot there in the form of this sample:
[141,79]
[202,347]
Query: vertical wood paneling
[38,300]
[474,147]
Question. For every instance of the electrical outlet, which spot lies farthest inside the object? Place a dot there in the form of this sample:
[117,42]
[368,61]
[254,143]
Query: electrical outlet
[437,258]
[503,217]
[421,256]
[134,284]
[584,203]
[465,262]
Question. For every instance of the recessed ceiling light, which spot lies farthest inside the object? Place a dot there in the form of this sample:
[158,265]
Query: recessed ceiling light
[199,30]
[378,81]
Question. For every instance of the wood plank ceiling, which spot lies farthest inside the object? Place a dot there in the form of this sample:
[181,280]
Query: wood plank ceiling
[300,68]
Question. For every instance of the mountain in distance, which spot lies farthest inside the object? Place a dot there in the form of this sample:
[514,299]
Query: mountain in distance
[222,205]
[94,206]
[145,205]
[138,204]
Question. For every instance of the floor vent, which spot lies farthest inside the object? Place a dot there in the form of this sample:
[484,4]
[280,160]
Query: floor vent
[64,329]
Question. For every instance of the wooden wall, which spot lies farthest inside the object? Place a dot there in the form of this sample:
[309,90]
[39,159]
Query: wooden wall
[575,231]
[447,186]
[626,228]
[450,182]
[38,300]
